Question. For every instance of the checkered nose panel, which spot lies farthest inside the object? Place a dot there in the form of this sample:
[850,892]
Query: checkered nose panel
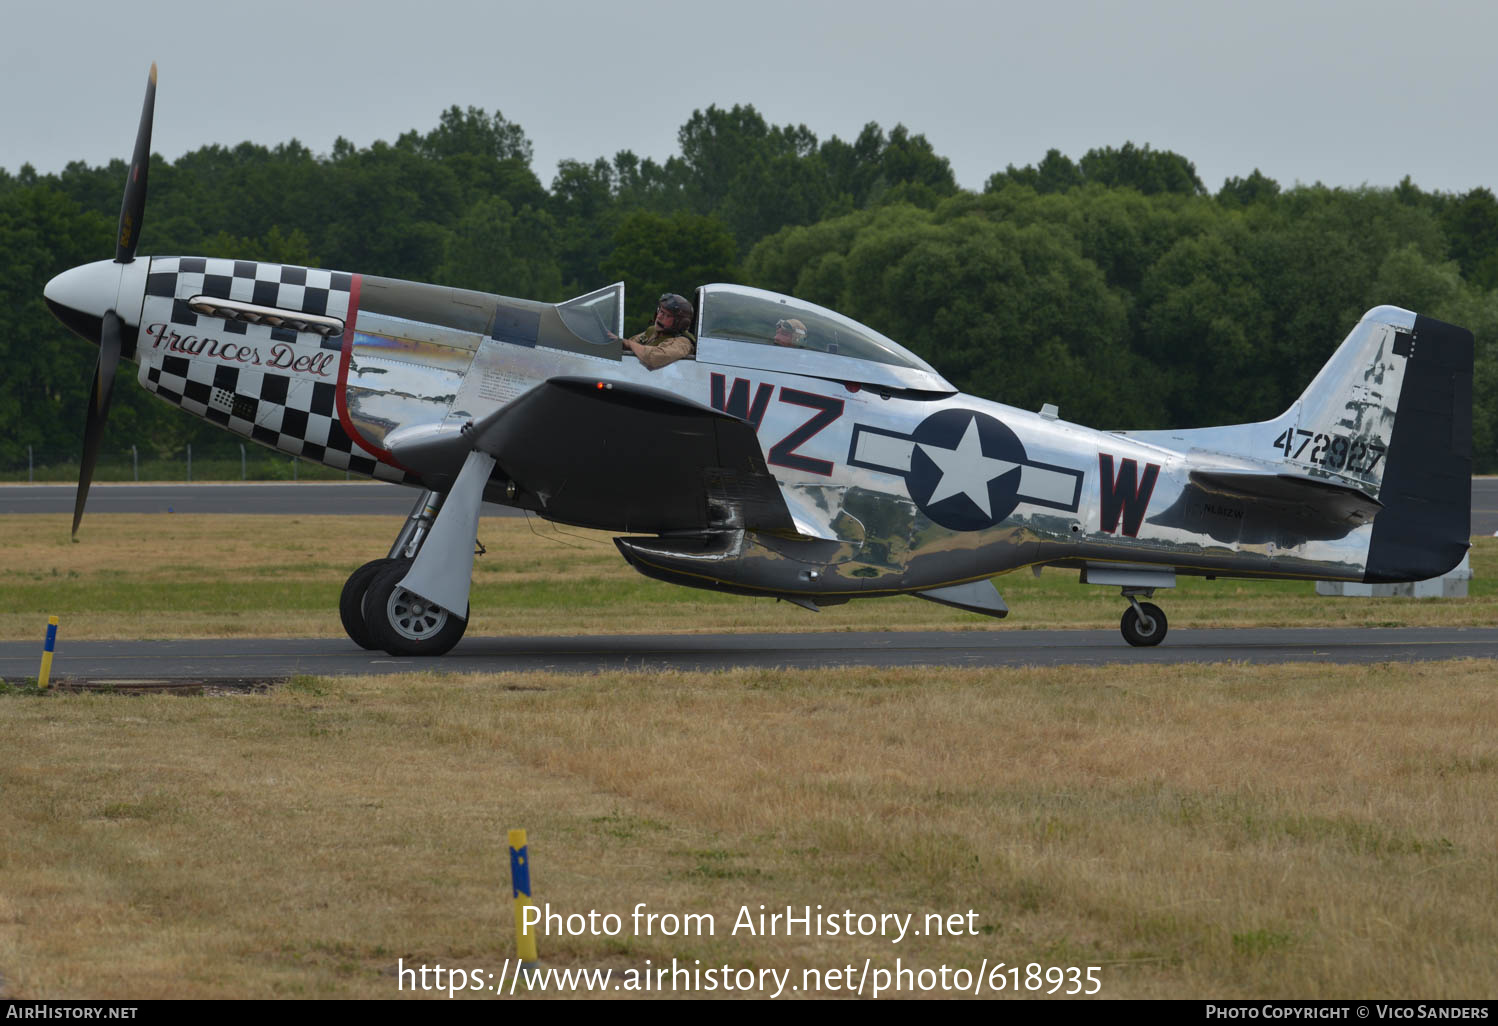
[307,289]
[269,384]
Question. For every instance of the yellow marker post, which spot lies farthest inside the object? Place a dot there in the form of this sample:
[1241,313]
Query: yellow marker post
[47,647]
[520,886]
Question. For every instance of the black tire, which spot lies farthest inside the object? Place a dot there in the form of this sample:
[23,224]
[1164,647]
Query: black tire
[351,603]
[404,625]
[1134,631]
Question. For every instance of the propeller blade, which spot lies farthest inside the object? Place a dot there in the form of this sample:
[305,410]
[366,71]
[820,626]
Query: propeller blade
[133,206]
[98,409]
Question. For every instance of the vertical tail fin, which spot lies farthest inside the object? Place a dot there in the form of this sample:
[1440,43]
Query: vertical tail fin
[1389,417]
[1391,414]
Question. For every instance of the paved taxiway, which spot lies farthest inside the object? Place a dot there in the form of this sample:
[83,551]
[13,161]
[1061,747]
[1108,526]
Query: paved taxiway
[274,658]
[361,497]
[312,498]
[280,658]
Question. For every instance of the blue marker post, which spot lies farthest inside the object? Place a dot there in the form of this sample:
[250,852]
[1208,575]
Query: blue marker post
[520,886]
[51,643]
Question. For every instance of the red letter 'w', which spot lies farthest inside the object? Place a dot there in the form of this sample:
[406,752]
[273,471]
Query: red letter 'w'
[1127,494]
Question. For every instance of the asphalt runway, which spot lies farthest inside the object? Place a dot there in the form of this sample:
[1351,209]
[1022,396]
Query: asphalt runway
[276,659]
[355,497]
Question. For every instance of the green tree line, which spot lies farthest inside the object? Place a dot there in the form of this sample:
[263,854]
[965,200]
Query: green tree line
[1116,285]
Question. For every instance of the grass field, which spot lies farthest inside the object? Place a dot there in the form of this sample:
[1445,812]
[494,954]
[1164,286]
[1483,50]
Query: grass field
[179,576]
[1195,831]
[1225,831]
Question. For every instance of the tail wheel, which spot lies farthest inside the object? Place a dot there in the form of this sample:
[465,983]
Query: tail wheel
[1143,624]
[405,624]
[351,602]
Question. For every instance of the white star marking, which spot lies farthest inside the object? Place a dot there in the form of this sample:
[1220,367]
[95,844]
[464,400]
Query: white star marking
[965,470]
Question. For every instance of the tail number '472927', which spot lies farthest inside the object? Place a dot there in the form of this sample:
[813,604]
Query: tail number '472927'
[1335,451]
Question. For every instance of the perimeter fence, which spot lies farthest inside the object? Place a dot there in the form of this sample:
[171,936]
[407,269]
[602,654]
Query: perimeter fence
[223,462]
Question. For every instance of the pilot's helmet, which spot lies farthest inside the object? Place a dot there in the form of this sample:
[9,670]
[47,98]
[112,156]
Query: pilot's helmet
[794,327]
[679,308]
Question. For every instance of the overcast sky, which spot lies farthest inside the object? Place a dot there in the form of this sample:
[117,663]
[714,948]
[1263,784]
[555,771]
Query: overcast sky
[1341,92]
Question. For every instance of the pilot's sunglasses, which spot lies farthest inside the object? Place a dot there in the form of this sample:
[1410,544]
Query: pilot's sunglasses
[785,326]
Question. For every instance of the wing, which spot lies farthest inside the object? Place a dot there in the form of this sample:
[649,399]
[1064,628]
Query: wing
[611,455]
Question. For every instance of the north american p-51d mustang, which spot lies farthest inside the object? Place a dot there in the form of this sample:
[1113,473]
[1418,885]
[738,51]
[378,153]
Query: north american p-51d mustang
[845,468]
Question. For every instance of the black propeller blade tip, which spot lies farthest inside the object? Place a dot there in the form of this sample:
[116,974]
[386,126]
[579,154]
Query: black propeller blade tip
[133,204]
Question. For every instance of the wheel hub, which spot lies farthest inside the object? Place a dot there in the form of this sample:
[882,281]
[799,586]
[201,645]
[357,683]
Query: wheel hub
[413,617]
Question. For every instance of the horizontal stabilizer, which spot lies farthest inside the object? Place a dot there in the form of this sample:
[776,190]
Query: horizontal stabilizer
[1330,500]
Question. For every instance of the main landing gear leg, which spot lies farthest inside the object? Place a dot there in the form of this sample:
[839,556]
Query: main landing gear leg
[413,532]
[411,606]
[1143,623]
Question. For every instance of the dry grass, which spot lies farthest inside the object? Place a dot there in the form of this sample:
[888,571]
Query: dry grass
[1225,831]
[180,576]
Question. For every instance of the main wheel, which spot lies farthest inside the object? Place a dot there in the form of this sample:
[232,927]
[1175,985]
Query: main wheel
[405,624]
[1138,632]
[351,602]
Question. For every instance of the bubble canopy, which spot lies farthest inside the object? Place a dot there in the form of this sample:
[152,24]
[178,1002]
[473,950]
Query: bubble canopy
[737,326]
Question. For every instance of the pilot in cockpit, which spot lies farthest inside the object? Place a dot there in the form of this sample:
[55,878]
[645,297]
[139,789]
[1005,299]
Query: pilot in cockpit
[790,333]
[669,337]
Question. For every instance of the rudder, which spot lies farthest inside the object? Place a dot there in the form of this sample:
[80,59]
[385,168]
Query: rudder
[1425,526]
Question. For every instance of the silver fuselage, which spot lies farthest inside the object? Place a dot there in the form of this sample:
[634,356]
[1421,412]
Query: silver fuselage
[894,481]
